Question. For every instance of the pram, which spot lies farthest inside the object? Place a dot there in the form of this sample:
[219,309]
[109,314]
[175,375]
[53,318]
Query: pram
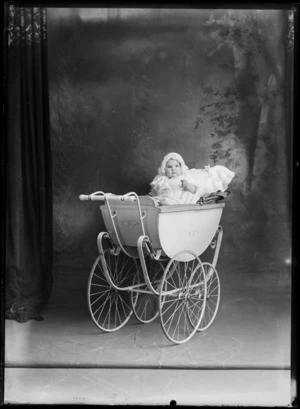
[149,265]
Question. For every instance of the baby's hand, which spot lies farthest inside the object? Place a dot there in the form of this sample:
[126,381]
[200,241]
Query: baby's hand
[188,186]
[185,184]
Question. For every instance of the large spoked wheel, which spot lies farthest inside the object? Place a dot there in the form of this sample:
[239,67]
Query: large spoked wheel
[111,308]
[182,295]
[145,305]
[212,298]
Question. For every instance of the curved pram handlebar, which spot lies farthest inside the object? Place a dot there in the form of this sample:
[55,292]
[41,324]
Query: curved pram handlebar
[128,197]
[93,196]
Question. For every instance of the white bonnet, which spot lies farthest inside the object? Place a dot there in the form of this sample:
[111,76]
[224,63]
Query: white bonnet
[175,156]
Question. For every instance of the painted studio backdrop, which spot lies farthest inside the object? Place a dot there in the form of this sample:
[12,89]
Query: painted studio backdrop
[128,86]
[95,99]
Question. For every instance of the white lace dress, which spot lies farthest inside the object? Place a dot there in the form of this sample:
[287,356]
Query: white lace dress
[208,180]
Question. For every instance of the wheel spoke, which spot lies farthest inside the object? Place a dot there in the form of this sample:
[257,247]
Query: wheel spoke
[172,301]
[103,306]
[117,314]
[144,309]
[127,270]
[98,298]
[186,321]
[99,285]
[101,278]
[176,309]
[192,311]
[98,292]
[210,284]
[171,276]
[212,311]
[178,321]
[212,301]
[122,302]
[108,312]
[173,315]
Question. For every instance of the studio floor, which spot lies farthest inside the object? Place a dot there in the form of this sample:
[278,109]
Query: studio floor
[242,359]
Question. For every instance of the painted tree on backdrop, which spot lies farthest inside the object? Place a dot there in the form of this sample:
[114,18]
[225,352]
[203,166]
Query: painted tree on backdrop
[253,109]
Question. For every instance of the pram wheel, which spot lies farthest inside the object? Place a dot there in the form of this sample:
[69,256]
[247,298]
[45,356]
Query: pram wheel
[182,295]
[212,298]
[110,308]
[145,306]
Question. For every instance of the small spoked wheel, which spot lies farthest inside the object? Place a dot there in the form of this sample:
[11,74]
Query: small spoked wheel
[182,295]
[145,304]
[212,298]
[110,308]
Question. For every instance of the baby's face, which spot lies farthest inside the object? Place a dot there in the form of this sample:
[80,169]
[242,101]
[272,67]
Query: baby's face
[173,169]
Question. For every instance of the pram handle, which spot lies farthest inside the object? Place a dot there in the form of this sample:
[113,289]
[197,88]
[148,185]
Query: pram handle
[93,196]
[128,197]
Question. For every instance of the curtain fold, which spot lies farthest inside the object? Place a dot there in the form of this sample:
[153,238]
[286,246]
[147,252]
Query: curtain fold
[29,237]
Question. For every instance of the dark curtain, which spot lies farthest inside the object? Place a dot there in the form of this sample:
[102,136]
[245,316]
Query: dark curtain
[29,240]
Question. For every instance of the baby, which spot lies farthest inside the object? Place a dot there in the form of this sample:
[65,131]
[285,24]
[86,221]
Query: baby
[177,184]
